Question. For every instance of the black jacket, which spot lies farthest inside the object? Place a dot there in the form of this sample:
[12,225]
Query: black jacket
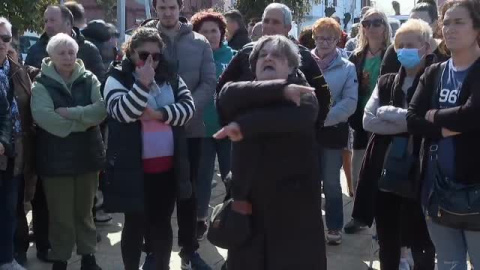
[239,70]
[276,168]
[87,52]
[360,136]
[463,119]
[239,39]
[367,188]
[124,189]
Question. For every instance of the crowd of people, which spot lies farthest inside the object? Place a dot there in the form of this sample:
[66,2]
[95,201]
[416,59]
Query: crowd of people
[88,129]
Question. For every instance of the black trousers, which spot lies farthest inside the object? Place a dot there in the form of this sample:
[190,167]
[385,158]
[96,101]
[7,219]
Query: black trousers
[187,209]
[154,224]
[22,240]
[400,223]
[40,217]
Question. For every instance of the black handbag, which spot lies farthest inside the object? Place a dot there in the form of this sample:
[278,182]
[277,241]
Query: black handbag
[451,203]
[399,169]
[335,137]
[229,228]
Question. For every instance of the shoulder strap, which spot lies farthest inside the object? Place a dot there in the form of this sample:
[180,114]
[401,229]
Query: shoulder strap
[437,83]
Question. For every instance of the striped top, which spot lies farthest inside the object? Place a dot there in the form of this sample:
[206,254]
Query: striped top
[127,105]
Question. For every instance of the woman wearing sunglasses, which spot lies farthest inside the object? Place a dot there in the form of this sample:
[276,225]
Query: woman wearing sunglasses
[14,94]
[373,39]
[147,165]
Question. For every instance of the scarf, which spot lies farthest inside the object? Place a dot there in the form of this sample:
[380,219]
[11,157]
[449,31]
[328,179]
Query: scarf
[326,61]
[4,89]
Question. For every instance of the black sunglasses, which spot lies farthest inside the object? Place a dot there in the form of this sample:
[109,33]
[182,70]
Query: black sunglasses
[5,38]
[144,55]
[375,23]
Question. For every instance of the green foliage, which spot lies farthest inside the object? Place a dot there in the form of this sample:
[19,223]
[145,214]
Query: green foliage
[25,14]
[109,9]
[254,8]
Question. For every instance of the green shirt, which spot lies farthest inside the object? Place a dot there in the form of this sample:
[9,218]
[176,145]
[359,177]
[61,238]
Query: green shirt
[371,71]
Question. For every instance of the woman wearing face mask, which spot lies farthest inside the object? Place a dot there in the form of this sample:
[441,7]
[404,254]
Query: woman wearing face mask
[374,38]
[385,117]
[425,11]
[445,111]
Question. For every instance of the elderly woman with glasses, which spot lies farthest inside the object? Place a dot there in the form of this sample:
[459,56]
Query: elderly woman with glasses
[341,77]
[147,156]
[68,108]
[275,169]
[16,140]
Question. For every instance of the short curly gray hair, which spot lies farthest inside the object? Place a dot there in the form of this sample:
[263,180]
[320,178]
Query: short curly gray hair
[61,39]
[284,45]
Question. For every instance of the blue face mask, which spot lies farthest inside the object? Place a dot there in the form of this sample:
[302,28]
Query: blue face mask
[409,58]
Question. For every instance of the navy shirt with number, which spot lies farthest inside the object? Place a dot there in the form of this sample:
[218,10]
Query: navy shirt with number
[450,88]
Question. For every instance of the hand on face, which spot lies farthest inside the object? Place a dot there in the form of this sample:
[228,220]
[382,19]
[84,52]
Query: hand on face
[146,73]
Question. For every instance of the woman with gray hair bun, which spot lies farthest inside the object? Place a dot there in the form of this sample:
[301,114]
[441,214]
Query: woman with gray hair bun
[275,169]
[68,108]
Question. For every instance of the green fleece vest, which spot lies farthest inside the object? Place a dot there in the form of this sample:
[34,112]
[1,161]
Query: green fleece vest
[79,152]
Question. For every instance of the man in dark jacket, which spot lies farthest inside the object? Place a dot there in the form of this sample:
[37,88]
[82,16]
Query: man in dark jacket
[59,19]
[190,55]
[237,33]
[277,20]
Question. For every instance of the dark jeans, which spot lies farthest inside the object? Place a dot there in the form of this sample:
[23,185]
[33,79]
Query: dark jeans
[22,240]
[154,225]
[399,224]
[40,217]
[8,213]
[211,148]
[187,209]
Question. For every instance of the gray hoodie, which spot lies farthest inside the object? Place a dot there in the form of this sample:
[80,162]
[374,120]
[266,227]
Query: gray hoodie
[190,54]
[341,78]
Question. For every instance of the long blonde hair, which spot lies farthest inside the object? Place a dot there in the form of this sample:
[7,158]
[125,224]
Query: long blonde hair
[362,38]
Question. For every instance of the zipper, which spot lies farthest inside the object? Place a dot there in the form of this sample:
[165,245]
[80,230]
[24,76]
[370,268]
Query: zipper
[439,214]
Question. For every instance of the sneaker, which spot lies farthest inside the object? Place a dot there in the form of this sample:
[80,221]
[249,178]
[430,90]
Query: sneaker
[334,237]
[195,262]
[42,255]
[202,229]
[58,265]
[149,263]
[404,264]
[89,263]
[11,266]
[102,218]
[354,226]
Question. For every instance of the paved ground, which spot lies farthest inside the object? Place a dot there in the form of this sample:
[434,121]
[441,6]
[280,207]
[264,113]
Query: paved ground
[352,254]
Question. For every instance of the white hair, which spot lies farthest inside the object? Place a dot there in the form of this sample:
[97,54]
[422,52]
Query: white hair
[61,39]
[419,27]
[6,23]
[287,12]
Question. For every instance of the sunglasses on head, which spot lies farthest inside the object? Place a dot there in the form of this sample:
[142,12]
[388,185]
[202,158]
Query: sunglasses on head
[144,55]
[5,38]
[375,23]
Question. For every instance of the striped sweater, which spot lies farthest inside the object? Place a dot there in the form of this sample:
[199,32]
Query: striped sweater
[127,105]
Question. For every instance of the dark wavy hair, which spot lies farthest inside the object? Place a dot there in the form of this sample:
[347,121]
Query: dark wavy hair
[306,38]
[473,7]
[179,2]
[199,18]
[147,34]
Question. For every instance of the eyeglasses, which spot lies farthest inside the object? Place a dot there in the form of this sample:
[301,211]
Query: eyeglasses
[375,23]
[5,38]
[144,55]
[327,40]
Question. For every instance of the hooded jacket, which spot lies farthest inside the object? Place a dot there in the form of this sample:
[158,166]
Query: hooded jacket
[87,52]
[189,55]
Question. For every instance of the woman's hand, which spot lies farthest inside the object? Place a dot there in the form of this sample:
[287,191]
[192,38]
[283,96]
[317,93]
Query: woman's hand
[146,73]
[231,131]
[151,114]
[63,112]
[448,133]
[430,115]
[294,92]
